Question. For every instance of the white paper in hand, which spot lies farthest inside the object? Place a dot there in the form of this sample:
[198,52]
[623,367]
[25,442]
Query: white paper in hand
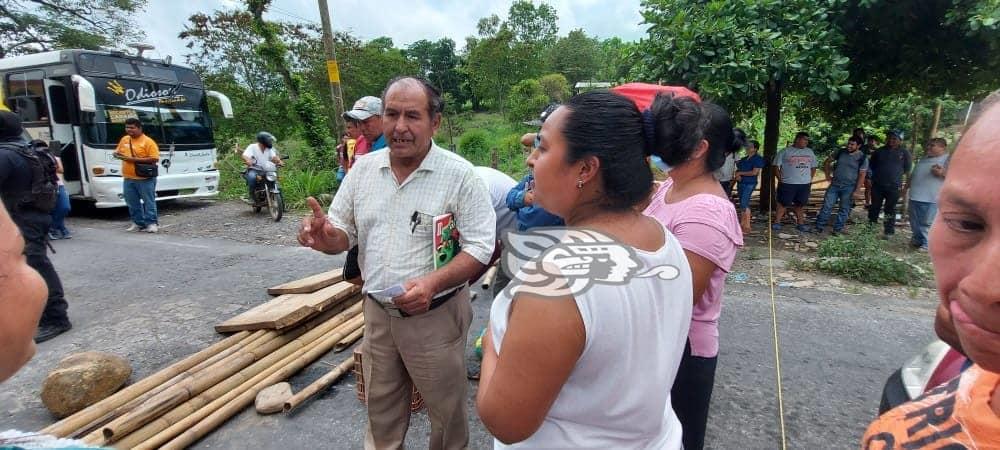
[386,295]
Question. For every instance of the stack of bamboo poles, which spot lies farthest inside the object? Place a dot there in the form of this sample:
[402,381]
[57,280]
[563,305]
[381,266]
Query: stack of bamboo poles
[180,404]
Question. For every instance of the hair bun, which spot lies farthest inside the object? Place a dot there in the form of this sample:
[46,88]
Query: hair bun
[648,132]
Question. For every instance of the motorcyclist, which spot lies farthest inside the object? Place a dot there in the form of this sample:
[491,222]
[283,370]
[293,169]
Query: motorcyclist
[260,155]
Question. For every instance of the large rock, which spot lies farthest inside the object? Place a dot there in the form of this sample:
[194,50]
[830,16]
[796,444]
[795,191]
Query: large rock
[272,398]
[82,379]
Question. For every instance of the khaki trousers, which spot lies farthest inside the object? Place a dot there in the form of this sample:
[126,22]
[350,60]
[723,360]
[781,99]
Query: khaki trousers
[428,349]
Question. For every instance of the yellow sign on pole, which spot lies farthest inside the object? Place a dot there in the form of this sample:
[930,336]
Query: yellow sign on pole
[333,71]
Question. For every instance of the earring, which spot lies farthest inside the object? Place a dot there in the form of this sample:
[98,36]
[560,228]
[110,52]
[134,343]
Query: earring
[579,183]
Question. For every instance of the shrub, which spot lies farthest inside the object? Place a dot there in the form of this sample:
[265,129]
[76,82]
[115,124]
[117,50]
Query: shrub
[297,185]
[862,256]
[556,87]
[527,99]
[474,146]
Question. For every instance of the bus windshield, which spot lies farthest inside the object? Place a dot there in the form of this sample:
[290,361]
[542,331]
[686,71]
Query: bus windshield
[170,113]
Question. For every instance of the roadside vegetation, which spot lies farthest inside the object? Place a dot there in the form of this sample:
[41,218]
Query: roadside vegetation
[861,256]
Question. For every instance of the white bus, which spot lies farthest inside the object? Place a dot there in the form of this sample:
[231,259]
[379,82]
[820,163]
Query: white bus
[78,100]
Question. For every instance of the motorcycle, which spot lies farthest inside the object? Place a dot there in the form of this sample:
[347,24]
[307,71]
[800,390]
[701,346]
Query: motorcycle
[267,192]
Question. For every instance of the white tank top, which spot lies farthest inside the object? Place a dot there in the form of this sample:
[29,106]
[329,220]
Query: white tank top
[618,395]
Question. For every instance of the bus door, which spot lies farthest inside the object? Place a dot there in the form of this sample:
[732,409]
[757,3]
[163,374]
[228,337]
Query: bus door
[61,130]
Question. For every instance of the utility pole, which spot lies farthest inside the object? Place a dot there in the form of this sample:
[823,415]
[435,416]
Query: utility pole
[332,70]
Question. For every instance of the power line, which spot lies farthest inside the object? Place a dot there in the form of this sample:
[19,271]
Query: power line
[288,14]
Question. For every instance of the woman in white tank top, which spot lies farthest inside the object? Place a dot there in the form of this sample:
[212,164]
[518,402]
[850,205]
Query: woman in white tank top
[584,344]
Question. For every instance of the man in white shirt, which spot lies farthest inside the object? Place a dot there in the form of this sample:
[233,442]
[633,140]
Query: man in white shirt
[387,206]
[261,154]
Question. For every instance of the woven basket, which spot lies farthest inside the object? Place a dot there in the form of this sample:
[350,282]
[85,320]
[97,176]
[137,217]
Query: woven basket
[416,400]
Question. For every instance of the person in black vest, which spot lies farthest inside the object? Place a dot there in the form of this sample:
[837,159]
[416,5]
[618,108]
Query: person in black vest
[16,180]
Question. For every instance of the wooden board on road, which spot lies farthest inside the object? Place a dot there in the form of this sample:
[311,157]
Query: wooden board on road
[308,284]
[289,310]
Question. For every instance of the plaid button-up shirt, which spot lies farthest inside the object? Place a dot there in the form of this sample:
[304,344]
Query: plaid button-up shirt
[392,223]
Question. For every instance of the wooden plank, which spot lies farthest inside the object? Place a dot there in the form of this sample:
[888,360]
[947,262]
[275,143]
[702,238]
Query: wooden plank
[289,310]
[308,284]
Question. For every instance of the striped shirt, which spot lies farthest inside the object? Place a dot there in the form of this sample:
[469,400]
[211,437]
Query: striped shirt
[393,223]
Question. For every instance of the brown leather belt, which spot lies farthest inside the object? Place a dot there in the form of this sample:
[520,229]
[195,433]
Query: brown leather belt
[394,311]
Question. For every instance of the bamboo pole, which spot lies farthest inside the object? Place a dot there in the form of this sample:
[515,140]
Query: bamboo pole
[185,390]
[490,277]
[346,342]
[251,340]
[65,427]
[316,386]
[224,408]
[166,426]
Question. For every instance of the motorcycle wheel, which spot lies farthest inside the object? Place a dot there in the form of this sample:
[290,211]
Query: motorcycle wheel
[275,205]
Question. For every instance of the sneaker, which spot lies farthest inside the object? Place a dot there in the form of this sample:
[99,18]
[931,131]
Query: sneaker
[922,249]
[804,228]
[133,228]
[46,332]
[776,226]
[816,230]
[55,236]
[152,228]
[836,232]
[66,234]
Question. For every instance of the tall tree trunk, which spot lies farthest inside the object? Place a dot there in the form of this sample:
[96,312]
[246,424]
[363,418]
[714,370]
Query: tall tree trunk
[772,122]
[937,119]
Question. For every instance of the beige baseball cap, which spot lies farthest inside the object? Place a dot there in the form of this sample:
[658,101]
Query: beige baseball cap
[364,108]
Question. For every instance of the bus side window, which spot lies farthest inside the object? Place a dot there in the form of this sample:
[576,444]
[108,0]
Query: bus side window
[27,95]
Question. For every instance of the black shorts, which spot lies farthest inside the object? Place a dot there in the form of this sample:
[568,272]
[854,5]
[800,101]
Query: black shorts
[790,195]
[351,268]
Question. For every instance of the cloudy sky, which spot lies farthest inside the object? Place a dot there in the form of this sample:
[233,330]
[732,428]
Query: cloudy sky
[404,21]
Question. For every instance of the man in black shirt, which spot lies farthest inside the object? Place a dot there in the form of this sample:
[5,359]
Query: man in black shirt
[15,180]
[888,165]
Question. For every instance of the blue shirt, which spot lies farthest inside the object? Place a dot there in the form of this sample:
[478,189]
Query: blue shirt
[529,216]
[379,144]
[748,163]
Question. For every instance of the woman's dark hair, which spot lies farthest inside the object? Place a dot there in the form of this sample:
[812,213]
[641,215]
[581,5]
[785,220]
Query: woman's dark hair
[610,127]
[681,123]
[755,143]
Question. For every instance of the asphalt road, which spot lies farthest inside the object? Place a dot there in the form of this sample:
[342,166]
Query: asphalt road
[154,299]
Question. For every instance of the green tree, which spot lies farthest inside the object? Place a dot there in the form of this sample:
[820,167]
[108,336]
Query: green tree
[534,25]
[616,59]
[753,50]
[556,87]
[527,99]
[576,56]
[31,26]
[438,62]
[507,52]
[933,47]
[310,113]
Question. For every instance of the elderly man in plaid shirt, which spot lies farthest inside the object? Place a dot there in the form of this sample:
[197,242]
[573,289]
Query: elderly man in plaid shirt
[387,206]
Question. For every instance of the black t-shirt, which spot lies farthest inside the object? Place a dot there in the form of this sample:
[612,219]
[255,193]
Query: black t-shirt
[15,176]
[888,166]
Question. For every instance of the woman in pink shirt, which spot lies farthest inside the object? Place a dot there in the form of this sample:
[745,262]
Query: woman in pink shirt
[692,139]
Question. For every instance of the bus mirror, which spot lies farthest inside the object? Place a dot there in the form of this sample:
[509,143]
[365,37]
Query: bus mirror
[227,106]
[85,94]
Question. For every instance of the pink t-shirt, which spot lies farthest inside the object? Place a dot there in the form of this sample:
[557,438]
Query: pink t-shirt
[705,224]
